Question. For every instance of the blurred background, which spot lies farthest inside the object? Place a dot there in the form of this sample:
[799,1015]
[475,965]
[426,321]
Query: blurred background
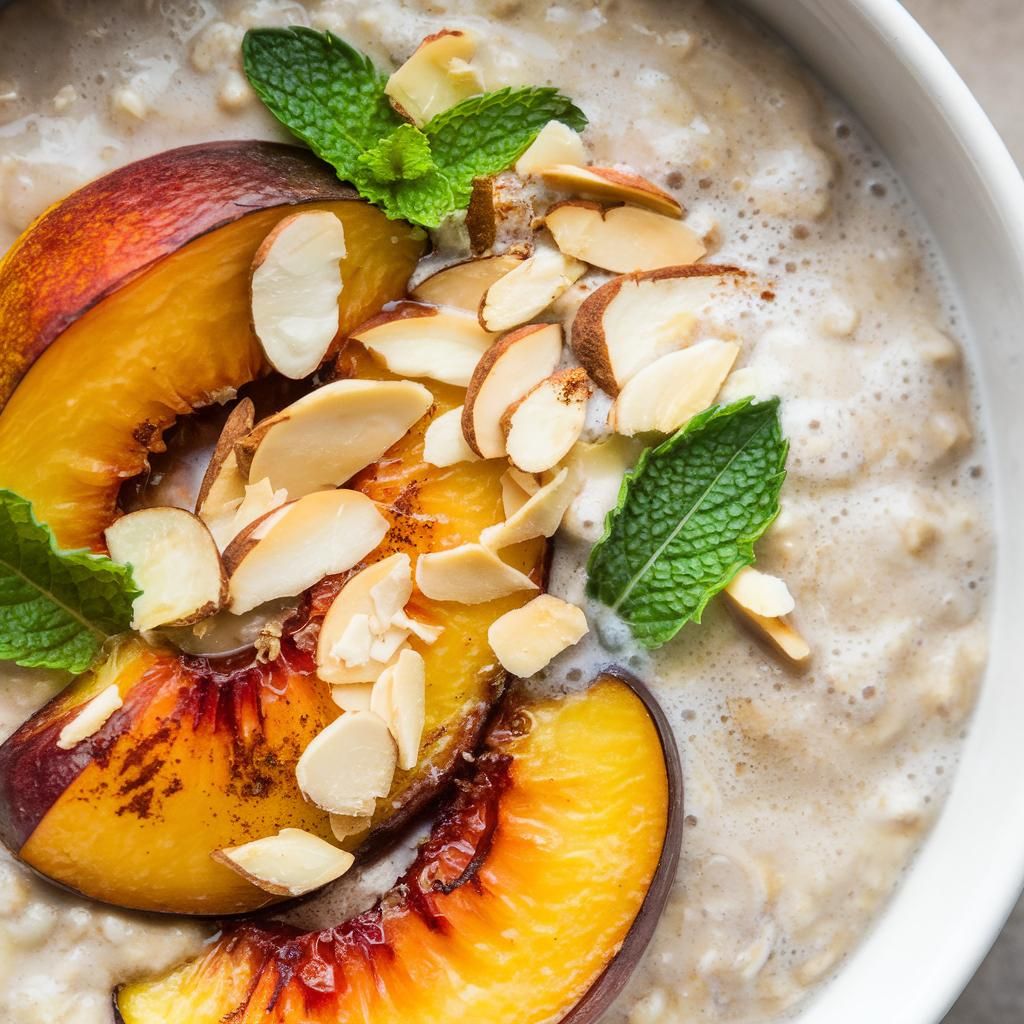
[985,39]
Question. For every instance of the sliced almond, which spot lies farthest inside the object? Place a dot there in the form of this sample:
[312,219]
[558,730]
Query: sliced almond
[529,289]
[289,864]
[516,488]
[91,718]
[617,186]
[352,696]
[600,468]
[527,638]
[622,239]
[761,593]
[444,443]
[540,516]
[780,633]
[295,288]
[541,428]
[674,388]
[629,322]
[507,371]
[259,499]
[345,825]
[556,144]
[223,482]
[499,217]
[468,574]
[175,563]
[349,765]
[437,76]
[328,436]
[463,285]
[402,697]
[295,546]
[423,341]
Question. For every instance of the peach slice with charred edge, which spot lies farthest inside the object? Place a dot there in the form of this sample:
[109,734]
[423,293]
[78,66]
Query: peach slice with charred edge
[121,820]
[530,903]
[127,305]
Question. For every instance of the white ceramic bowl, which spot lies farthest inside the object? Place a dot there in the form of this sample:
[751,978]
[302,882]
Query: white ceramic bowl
[968,875]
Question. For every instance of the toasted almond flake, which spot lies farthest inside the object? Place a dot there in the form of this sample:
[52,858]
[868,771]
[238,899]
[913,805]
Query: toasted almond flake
[175,563]
[527,638]
[407,707]
[780,633]
[541,428]
[540,516]
[349,765]
[632,320]
[761,593]
[356,640]
[468,574]
[600,468]
[556,144]
[617,186]
[289,864]
[424,631]
[673,389]
[512,366]
[380,695]
[353,696]
[387,644]
[437,76]
[328,436]
[444,444]
[91,718]
[412,340]
[622,239]
[223,484]
[295,288]
[529,289]
[391,593]
[345,825]
[297,545]
[463,285]
[259,499]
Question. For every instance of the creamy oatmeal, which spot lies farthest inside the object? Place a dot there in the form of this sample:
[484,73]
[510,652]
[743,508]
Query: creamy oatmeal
[806,793]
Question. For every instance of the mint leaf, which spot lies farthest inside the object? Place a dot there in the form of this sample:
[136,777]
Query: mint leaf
[402,155]
[486,134]
[56,607]
[687,518]
[322,90]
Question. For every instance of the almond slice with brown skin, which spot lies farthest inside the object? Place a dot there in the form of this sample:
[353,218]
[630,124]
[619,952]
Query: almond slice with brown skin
[622,239]
[297,545]
[539,516]
[527,638]
[437,76]
[541,428]
[499,217]
[349,765]
[673,389]
[463,285]
[291,863]
[777,630]
[556,144]
[513,365]
[295,287]
[413,340]
[223,482]
[468,574]
[328,436]
[92,717]
[444,443]
[529,289]
[632,320]
[616,186]
[175,563]
[259,499]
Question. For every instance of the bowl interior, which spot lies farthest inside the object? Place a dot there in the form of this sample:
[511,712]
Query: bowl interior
[968,874]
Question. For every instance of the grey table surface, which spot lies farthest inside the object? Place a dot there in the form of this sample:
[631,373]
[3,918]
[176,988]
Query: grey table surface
[985,40]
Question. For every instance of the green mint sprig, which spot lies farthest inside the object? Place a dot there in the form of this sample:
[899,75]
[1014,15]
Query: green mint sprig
[687,518]
[332,97]
[56,607]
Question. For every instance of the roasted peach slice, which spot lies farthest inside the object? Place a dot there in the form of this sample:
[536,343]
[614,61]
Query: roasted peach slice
[202,754]
[531,900]
[127,305]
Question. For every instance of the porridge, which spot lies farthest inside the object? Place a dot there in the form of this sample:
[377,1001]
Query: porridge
[807,791]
